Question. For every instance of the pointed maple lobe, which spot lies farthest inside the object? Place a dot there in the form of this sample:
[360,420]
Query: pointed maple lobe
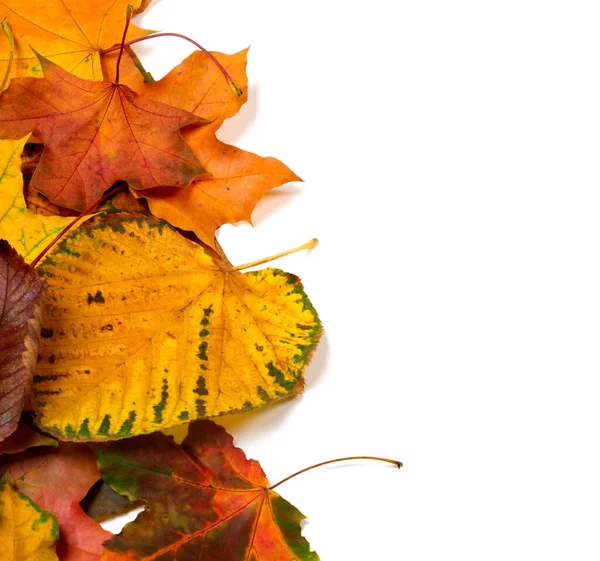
[69,32]
[94,134]
[205,502]
[237,179]
[20,296]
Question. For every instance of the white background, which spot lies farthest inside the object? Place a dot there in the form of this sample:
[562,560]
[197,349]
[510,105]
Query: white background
[450,152]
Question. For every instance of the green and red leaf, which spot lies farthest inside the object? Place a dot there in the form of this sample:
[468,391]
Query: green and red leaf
[205,501]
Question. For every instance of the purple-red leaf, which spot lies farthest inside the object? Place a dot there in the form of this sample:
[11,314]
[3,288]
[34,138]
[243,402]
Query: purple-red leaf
[20,294]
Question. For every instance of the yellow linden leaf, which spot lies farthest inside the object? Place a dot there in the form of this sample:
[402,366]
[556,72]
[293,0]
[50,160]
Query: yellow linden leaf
[27,532]
[70,33]
[143,330]
[26,231]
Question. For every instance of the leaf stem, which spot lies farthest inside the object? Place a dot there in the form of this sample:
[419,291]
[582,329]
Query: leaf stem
[11,41]
[395,462]
[237,91]
[122,46]
[308,245]
[107,195]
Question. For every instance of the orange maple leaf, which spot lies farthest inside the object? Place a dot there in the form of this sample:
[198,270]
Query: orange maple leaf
[94,134]
[237,179]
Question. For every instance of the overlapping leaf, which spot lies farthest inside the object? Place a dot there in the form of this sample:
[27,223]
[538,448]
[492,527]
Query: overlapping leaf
[27,533]
[144,330]
[26,231]
[57,480]
[238,179]
[24,438]
[69,32]
[20,294]
[205,501]
[102,502]
[94,134]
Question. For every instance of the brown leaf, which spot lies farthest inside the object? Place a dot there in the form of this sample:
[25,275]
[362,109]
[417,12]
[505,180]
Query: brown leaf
[102,502]
[25,437]
[36,202]
[20,295]
[94,134]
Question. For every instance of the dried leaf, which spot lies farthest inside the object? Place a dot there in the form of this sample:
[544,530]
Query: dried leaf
[102,502]
[205,502]
[38,204]
[238,179]
[143,330]
[27,533]
[196,84]
[57,480]
[24,438]
[20,294]
[69,32]
[28,232]
[94,134]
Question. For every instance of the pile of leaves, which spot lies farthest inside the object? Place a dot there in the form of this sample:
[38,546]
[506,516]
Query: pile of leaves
[120,315]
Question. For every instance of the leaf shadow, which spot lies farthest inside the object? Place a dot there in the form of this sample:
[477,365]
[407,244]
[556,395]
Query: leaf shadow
[270,419]
[235,127]
[274,201]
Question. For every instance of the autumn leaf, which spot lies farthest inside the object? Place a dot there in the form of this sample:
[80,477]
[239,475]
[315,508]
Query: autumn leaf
[102,502]
[24,438]
[94,134]
[238,179]
[57,480]
[20,294]
[205,501]
[26,231]
[38,204]
[196,85]
[143,330]
[70,33]
[27,533]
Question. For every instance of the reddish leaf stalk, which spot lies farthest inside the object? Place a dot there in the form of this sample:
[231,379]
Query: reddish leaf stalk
[395,462]
[237,91]
[104,197]
[122,46]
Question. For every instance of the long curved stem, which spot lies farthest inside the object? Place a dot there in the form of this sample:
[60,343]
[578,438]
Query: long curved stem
[232,85]
[395,462]
[107,195]
[308,245]
[122,46]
